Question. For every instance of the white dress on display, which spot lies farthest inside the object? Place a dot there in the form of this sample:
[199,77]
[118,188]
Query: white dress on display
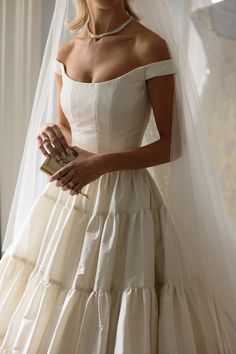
[92,278]
[219,91]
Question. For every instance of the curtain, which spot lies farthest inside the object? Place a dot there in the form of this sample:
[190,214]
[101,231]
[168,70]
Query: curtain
[23,30]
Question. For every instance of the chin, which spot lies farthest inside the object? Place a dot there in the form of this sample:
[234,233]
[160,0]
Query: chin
[107,4]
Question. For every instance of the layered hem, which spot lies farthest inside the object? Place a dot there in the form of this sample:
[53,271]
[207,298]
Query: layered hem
[50,318]
[89,276]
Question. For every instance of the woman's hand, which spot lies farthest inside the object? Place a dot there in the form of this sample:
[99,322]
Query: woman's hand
[85,168]
[51,141]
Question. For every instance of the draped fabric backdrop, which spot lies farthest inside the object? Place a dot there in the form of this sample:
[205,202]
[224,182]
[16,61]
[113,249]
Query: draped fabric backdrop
[23,30]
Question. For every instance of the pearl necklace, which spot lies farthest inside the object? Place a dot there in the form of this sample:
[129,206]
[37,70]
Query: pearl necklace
[116,30]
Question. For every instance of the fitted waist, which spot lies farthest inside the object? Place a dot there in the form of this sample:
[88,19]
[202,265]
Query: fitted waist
[100,144]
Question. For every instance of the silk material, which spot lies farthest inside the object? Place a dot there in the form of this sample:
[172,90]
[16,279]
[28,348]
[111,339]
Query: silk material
[91,280]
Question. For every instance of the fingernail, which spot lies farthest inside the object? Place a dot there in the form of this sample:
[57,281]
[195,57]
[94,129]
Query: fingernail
[68,150]
[63,155]
[57,157]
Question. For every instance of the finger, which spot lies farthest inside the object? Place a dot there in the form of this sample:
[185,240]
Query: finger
[75,149]
[55,145]
[41,147]
[71,189]
[67,178]
[74,192]
[62,140]
[77,188]
[47,144]
[67,187]
[60,173]
[79,191]
[58,183]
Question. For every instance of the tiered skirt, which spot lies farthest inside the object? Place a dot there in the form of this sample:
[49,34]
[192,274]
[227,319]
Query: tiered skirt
[86,276]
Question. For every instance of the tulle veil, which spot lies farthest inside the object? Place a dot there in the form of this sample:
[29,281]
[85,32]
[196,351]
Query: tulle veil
[199,247]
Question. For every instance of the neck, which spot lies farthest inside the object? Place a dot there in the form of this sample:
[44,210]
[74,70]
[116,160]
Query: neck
[103,19]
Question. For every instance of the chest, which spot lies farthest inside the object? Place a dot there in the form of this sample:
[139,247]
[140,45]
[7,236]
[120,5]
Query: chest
[101,61]
[108,115]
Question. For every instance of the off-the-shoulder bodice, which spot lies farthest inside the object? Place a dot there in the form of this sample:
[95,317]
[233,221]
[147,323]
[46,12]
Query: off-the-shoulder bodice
[110,115]
[157,68]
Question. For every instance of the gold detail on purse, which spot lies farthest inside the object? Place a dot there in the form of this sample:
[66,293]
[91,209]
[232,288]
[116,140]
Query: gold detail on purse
[51,165]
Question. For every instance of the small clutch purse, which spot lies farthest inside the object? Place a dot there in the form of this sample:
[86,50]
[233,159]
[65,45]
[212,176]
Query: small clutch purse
[51,165]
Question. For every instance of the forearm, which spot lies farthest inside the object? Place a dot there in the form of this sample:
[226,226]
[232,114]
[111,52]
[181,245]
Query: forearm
[146,156]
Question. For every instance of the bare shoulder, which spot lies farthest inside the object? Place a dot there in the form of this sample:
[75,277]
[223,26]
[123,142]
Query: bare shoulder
[150,46]
[64,49]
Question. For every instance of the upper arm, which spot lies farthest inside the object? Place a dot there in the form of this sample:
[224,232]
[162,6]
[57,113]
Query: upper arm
[62,52]
[161,88]
[161,94]
[61,118]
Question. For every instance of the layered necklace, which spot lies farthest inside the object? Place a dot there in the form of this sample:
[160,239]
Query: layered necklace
[116,30]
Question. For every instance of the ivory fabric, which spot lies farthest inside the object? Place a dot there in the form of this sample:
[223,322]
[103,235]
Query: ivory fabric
[92,279]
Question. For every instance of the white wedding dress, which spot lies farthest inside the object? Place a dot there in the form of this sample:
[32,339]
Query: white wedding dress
[92,279]
[218,99]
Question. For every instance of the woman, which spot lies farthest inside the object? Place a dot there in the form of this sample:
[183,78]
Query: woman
[100,60]
[94,273]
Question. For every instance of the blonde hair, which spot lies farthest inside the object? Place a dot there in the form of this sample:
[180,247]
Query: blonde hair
[82,13]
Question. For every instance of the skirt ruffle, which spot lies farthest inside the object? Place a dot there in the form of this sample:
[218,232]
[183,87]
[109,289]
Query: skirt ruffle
[86,276]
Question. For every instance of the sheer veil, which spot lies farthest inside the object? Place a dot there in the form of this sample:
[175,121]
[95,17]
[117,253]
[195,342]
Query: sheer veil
[199,243]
